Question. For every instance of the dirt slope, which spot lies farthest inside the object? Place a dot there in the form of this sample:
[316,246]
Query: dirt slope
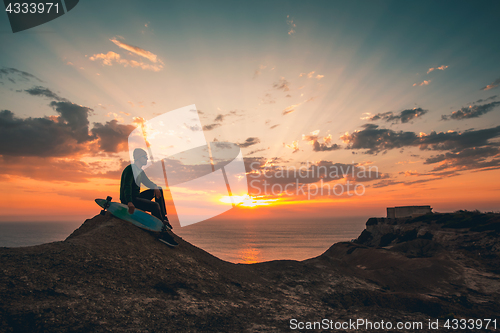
[111,276]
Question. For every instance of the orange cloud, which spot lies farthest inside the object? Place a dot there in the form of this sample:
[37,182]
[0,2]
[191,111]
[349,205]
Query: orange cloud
[137,50]
[409,173]
[111,57]
[442,68]
[291,25]
[139,121]
[494,84]
[107,59]
[290,109]
[115,116]
[422,83]
[294,146]
[311,137]
[311,75]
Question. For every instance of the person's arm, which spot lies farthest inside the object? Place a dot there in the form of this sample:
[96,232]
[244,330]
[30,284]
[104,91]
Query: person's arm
[143,179]
[147,182]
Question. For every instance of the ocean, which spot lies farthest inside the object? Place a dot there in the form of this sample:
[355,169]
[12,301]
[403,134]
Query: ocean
[242,242]
[16,234]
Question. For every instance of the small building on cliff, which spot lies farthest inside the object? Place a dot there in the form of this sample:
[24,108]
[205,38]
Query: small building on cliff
[407,211]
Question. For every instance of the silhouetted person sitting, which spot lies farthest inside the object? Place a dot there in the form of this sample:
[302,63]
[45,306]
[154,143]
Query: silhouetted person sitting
[131,195]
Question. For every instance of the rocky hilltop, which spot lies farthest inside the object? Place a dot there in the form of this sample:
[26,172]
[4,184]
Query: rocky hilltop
[111,276]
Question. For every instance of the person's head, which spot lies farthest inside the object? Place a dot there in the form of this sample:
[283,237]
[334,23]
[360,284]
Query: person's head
[140,156]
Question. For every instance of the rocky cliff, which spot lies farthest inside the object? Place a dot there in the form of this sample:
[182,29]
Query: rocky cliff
[111,276]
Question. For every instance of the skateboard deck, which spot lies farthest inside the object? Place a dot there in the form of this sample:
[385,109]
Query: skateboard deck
[138,218]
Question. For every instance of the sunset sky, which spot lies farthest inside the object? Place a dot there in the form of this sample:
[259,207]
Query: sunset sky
[408,88]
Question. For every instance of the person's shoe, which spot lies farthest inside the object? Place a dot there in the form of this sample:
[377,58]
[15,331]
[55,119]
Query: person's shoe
[167,239]
[167,223]
[166,226]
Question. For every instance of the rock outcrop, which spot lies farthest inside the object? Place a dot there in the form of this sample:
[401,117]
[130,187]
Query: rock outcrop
[111,276]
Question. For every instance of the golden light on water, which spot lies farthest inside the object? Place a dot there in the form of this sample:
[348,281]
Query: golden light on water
[249,255]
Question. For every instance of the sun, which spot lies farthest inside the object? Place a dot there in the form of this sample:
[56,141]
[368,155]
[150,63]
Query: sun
[248,201]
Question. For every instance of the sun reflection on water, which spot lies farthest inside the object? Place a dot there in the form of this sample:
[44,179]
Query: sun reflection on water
[249,255]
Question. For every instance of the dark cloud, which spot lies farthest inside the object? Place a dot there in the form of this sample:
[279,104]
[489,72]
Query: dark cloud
[249,142]
[494,84]
[471,112]
[25,76]
[211,127]
[282,84]
[219,119]
[62,135]
[252,163]
[386,182]
[404,116]
[263,173]
[56,136]
[467,159]
[456,141]
[45,92]
[376,139]
[38,136]
[113,137]
[311,172]
[324,147]
[431,176]
[74,116]
[469,150]
[255,151]
[32,147]
[313,138]
[194,128]
[486,99]
[379,116]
